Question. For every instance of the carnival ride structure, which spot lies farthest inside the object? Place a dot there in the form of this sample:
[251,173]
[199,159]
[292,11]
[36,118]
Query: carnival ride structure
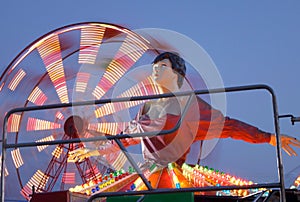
[73,85]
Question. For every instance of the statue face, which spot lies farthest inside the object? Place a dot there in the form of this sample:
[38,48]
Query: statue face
[163,73]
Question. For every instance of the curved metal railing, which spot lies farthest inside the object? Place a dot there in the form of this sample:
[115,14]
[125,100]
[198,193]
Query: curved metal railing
[279,185]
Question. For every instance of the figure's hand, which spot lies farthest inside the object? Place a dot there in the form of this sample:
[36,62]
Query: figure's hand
[80,154]
[286,143]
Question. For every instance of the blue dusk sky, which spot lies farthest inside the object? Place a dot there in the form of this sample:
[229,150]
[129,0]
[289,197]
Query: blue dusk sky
[250,42]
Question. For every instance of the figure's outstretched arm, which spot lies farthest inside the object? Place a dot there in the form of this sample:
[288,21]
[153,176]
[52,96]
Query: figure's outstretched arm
[286,143]
[213,124]
[252,134]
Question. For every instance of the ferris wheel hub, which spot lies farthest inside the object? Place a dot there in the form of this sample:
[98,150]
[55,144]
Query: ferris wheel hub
[74,126]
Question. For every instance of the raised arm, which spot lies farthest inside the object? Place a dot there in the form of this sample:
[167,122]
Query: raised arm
[213,124]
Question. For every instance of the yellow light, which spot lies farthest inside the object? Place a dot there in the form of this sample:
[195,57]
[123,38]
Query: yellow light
[17,158]
[38,180]
[34,124]
[57,152]
[119,161]
[14,123]
[50,52]
[130,51]
[90,41]
[81,82]
[49,138]
[16,80]
[145,87]
[106,128]
[37,96]
[59,115]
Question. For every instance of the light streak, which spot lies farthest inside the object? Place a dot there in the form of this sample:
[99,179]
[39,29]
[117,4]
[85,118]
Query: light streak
[57,152]
[42,147]
[51,54]
[59,115]
[81,82]
[13,123]
[90,41]
[147,87]
[16,79]
[37,96]
[35,124]
[130,51]
[17,158]
[39,179]
[106,128]
[68,178]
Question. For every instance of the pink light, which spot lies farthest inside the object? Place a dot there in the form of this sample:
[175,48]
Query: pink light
[37,97]
[91,38]
[146,87]
[34,124]
[17,158]
[39,180]
[16,80]
[51,55]
[106,128]
[68,178]
[13,123]
[130,51]
[81,82]
[59,115]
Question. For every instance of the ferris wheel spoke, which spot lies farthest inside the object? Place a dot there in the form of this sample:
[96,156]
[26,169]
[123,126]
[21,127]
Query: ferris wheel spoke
[59,115]
[146,87]
[38,180]
[90,41]
[13,123]
[37,96]
[35,124]
[45,139]
[16,81]
[32,124]
[50,52]
[82,82]
[17,158]
[79,62]
[130,51]
[111,128]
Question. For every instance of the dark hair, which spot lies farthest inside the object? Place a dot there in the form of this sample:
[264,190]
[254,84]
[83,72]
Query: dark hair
[178,64]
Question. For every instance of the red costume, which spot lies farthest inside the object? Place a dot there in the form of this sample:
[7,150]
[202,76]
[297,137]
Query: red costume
[201,122]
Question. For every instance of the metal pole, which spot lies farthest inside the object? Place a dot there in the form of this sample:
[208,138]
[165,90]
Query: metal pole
[130,159]
[3,158]
[198,92]
[278,146]
[135,166]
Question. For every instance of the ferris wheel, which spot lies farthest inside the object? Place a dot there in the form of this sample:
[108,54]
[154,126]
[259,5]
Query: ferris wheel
[79,62]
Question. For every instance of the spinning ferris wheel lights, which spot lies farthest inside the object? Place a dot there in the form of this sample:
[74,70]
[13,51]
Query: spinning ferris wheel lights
[79,62]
